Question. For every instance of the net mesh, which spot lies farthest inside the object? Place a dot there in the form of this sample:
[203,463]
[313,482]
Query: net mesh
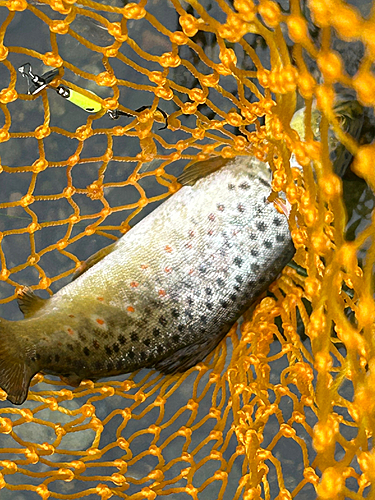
[285,408]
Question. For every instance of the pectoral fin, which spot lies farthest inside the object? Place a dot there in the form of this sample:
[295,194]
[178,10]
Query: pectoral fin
[94,259]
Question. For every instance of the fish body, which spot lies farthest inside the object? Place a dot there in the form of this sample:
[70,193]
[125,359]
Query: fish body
[167,293]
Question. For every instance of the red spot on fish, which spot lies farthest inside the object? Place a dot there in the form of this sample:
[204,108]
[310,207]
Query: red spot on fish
[71,316]
[189,245]
[130,309]
[168,248]
[168,269]
[162,293]
[210,232]
[100,321]
[144,266]
[101,299]
[211,217]
[134,284]
[191,234]
[70,331]
[191,271]
[220,207]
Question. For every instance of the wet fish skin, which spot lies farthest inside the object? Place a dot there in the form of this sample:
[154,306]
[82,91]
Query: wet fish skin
[168,292]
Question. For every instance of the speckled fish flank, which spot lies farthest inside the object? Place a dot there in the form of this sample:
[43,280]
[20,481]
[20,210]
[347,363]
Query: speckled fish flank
[165,294]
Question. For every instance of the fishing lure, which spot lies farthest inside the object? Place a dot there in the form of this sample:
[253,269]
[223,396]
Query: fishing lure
[36,83]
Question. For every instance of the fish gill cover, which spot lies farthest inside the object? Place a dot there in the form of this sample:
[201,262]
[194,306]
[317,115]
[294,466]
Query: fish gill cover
[284,408]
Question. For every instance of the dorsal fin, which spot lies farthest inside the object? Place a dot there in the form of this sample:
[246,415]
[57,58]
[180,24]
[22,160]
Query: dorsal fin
[94,259]
[200,169]
[28,302]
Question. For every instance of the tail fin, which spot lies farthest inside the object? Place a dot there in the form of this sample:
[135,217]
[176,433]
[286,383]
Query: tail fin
[15,372]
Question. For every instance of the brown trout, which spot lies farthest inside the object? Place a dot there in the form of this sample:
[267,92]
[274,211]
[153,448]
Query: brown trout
[166,293]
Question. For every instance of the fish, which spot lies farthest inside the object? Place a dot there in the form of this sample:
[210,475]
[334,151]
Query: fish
[166,293]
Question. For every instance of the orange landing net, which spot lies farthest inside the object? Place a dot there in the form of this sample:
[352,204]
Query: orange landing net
[270,414]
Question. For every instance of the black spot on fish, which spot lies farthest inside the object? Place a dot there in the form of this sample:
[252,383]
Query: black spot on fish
[108,350]
[220,282]
[33,359]
[267,243]
[98,365]
[131,354]
[209,306]
[238,261]
[96,344]
[255,267]
[180,328]
[261,226]
[190,301]
[202,268]
[134,336]
[37,356]
[86,351]
[280,238]
[233,297]
[175,313]
[189,314]
[240,208]
[156,332]
[277,221]
[250,284]
[244,185]
[203,319]
[237,288]
[252,236]
[224,304]
[254,252]
[239,278]
[231,187]
[119,364]
[147,342]
[109,365]
[208,291]
[122,339]
[116,347]
[142,355]
[57,358]
[163,321]
[82,336]
[70,347]
[160,349]
[175,338]
[262,181]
